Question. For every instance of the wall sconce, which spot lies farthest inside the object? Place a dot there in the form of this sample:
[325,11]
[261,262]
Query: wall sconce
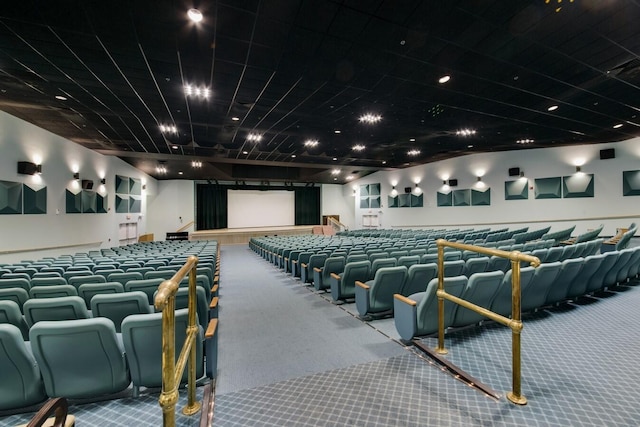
[394,192]
[144,186]
[521,174]
[578,169]
[417,190]
[103,181]
[76,175]
[28,168]
[444,182]
[478,178]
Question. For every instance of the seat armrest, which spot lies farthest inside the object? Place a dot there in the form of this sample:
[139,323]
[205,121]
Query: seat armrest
[318,269]
[404,299]
[362,285]
[335,276]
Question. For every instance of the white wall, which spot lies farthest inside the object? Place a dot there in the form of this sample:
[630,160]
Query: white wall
[171,208]
[21,141]
[608,206]
[338,200]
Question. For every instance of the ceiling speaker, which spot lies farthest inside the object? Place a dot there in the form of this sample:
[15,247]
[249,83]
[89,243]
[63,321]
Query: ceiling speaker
[87,184]
[407,189]
[453,183]
[609,153]
[514,171]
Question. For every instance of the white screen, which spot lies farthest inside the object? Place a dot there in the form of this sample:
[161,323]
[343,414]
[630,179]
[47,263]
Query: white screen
[253,208]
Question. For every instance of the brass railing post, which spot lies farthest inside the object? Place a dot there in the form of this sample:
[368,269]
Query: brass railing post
[515,395]
[440,349]
[172,370]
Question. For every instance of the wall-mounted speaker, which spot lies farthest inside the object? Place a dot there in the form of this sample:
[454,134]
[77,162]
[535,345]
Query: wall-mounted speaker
[407,190]
[609,153]
[87,184]
[514,171]
[453,183]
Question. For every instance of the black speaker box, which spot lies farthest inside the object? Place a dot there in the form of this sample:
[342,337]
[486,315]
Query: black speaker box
[453,183]
[609,153]
[27,168]
[407,189]
[514,171]
[87,184]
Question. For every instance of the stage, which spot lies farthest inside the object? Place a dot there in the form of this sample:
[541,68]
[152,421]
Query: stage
[236,236]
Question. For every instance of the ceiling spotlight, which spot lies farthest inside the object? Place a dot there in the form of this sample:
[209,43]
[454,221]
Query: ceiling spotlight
[180,172]
[195,15]
[293,156]
[198,92]
[335,159]
[444,79]
[311,143]
[349,177]
[168,129]
[413,152]
[335,172]
[235,119]
[175,147]
[358,147]
[370,118]
[254,137]
[245,152]
[61,98]
[466,132]
[196,164]
[412,140]
[337,131]
[161,169]
[617,126]
[552,108]
[524,141]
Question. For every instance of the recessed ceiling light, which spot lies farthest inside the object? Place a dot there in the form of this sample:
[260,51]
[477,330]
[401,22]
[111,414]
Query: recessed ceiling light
[335,172]
[61,98]
[245,152]
[179,172]
[168,129]
[175,147]
[311,143]
[524,141]
[552,108]
[195,15]
[235,119]
[198,92]
[413,152]
[616,126]
[412,140]
[444,79]
[349,177]
[465,132]
[335,179]
[370,118]
[384,162]
[196,164]
[293,155]
[335,158]
[337,131]
[469,146]
[358,147]
[254,137]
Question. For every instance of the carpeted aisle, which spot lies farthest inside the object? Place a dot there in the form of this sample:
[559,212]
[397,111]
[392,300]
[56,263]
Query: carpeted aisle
[272,328]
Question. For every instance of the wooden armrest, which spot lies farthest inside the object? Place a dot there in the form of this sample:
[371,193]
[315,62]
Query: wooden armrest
[216,279]
[404,299]
[214,302]
[211,329]
[295,261]
[303,265]
[318,269]
[215,289]
[335,276]
[362,285]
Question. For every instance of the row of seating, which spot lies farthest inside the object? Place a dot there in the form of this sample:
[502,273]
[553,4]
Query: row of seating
[549,284]
[112,304]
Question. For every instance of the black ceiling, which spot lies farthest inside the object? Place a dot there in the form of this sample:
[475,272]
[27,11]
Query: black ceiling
[297,70]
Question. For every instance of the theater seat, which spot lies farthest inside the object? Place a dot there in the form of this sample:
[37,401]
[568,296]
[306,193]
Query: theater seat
[322,276]
[418,277]
[343,285]
[21,384]
[481,289]
[52,291]
[87,291]
[375,297]
[17,295]
[117,306]
[315,261]
[60,308]
[10,314]
[502,302]
[148,286]
[79,358]
[417,314]
[142,338]
[560,286]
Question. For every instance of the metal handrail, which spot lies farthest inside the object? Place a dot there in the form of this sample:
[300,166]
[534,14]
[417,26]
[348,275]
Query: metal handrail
[334,222]
[515,323]
[172,371]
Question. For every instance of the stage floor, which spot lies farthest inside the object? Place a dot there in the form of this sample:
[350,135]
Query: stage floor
[236,236]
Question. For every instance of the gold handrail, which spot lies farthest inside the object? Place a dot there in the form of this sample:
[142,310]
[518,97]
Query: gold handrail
[515,323]
[171,370]
[336,222]
[184,227]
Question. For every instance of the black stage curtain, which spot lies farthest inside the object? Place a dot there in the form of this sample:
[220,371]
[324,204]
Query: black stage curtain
[211,206]
[307,205]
